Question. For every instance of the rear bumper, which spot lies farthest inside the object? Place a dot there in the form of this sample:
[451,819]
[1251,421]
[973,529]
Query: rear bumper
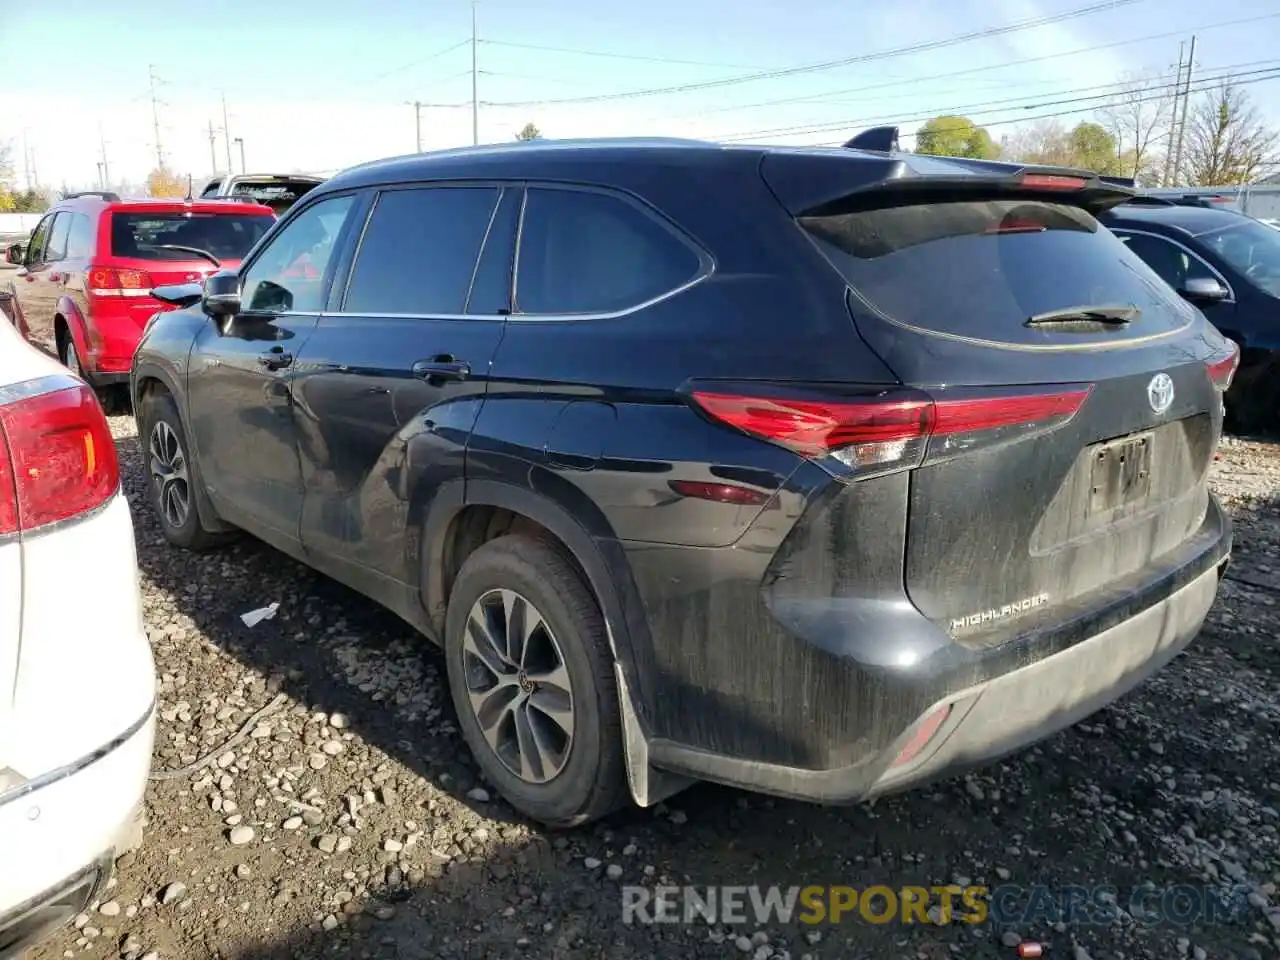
[865,710]
[60,832]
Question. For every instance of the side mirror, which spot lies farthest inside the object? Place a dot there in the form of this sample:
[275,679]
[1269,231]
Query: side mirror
[222,294]
[1204,290]
[15,253]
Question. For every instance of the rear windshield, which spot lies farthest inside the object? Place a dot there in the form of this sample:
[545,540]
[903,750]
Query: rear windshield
[984,268]
[278,194]
[146,236]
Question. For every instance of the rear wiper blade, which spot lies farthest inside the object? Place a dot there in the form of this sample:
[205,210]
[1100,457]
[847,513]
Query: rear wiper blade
[1111,316]
[202,254]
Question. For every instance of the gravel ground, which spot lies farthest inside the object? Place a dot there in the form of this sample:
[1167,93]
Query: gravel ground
[349,821]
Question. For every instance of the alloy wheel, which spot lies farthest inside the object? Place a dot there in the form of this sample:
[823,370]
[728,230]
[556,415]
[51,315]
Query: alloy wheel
[169,474]
[518,685]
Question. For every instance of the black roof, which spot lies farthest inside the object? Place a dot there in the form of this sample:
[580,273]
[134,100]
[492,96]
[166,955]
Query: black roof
[1189,220]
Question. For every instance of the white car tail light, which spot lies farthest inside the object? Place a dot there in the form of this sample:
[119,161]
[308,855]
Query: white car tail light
[57,456]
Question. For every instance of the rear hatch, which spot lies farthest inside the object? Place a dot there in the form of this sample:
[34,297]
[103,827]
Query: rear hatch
[1074,410]
[156,244]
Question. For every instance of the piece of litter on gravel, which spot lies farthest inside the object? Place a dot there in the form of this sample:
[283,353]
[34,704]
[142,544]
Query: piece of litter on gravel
[255,617]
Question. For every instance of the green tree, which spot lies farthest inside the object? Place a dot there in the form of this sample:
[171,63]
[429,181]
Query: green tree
[6,178]
[529,132]
[29,201]
[1093,148]
[951,136]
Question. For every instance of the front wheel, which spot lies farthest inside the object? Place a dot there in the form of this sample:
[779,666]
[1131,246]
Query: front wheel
[171,479]
[531,676]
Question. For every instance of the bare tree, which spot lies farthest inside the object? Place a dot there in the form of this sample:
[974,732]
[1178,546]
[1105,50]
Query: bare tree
[1046,142]
[1227,141]
[1140,117]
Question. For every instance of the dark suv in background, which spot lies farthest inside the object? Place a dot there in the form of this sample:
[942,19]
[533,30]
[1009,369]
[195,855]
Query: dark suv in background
[821,472]
[1228,265]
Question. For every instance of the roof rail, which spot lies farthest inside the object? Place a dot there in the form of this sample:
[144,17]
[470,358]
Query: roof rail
[877,139]
[104,194]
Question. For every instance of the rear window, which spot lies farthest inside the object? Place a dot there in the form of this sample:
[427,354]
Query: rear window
[151,236]
[984,268]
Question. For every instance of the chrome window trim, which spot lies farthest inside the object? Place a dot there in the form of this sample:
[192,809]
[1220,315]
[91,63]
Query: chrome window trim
[1231,294]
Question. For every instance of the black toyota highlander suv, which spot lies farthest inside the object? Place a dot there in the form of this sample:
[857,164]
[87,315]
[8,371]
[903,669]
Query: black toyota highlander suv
[820,472]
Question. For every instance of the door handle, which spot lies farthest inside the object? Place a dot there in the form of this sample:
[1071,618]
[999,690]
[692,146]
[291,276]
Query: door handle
[275,359]
[443,368]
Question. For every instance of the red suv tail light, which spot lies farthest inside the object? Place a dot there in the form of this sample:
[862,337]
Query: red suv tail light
[115,282]
[892,429]
[57,457]
[1222,369]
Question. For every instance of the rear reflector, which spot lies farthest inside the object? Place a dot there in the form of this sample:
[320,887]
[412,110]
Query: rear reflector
[1049,181]
[115,282]
[924,733]
[893,429]
[57,457]
[720,492]
[1222,369]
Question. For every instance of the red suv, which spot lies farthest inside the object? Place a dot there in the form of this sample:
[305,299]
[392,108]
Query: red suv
[83,288]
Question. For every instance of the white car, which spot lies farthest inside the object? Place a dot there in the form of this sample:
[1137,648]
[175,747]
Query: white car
[77,680]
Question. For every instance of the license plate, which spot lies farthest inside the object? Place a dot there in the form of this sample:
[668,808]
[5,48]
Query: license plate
[1121,472]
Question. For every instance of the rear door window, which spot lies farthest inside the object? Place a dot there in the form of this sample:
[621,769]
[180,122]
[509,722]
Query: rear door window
[157,236]
[982,269]
[419,251]
[80,239]
[585,252]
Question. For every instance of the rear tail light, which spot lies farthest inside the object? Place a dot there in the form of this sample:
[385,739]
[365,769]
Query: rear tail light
[116,282]
[893,429]
[1222,369]
[57,457]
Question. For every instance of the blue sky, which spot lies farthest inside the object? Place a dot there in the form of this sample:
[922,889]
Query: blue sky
[312,86]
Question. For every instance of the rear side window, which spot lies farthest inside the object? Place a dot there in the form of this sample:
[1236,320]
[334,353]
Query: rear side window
[588,252]
[982,269]
[80,239]
[154,236]
[419,251]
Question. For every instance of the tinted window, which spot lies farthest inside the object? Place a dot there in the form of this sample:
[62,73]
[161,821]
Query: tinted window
[1250,247]
[151,236]
[57,248]
[585,252]
[80,239]
[983,268]
[491,288]
[290,273]
[419,251]
[39,237]
[1174,265]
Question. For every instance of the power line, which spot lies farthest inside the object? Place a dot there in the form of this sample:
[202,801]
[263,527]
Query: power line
[1037,103]
[983,34]
[575,51]
[1208,84]
[952,74]
[421,60]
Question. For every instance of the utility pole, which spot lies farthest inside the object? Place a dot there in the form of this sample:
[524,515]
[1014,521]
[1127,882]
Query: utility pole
[26,162]
[226,132]
[417,120]
[106,170]
[1177,94]
[155,116]
[475,102]
[213,150]
[102,182]
[1182,123]
[240,141]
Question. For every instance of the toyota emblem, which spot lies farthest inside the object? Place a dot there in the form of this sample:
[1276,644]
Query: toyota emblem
[1160,392]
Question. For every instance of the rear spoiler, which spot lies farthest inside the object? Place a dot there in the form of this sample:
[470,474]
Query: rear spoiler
[869,171]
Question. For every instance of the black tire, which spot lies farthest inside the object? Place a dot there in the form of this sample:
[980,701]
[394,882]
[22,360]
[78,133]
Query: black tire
[70,357]
[159,412]
[592,781]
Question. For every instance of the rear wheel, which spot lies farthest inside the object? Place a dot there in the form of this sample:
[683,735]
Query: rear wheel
[171,479]
[70,357]
[532,680]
